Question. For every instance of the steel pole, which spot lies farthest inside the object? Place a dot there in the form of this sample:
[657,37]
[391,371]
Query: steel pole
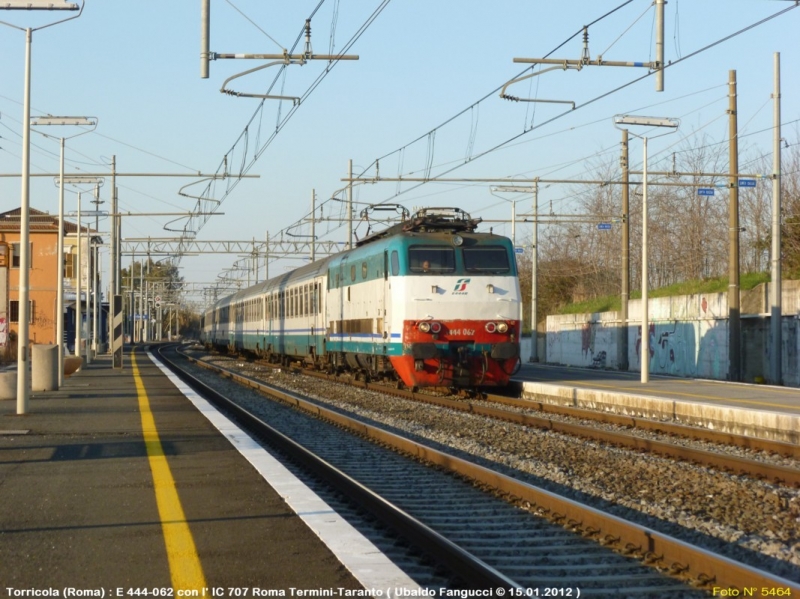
[60,275]
[94,269]
[205,28]
[78,290]
[645,360]
[622,354]
[775,288]
[660,45]
[23,331]
[313,225]
[535,275]
[350,205]
[734,313]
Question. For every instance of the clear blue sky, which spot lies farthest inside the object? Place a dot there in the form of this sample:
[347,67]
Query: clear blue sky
[135,66]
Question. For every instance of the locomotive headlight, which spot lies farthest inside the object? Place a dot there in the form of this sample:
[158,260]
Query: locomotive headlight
[436,327]
[502,327]
[490,327]
[457,240]
[424,327]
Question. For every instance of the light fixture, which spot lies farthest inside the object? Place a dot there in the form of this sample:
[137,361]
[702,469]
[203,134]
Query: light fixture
[651,121]
[39,5]
[63,120]
[457,240]
[647,121]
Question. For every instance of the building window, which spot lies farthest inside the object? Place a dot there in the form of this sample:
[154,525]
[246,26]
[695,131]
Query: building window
[15,255]
[13,315]
[69,265]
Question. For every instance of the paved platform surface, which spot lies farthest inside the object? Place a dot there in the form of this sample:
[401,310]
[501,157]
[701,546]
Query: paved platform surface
[79,506]
[758,410]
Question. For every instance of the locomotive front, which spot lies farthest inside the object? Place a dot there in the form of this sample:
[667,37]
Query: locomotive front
[457,302]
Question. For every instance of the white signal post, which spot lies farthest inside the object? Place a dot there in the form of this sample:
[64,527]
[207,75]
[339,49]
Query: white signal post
[647,121]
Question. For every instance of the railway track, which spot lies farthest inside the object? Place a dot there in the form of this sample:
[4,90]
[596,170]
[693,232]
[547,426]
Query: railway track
[572,552]
[523,412]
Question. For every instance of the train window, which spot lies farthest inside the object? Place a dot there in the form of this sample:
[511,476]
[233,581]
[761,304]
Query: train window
[363,270]
[314,293]
[353,272]
[395,263]
[431,259]
[489,259]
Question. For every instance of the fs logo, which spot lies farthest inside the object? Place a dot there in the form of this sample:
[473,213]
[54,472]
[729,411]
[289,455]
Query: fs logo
[461,287]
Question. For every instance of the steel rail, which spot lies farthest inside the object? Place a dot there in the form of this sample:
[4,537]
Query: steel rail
[680,558]
[755,443]
[470,569]
[741,466]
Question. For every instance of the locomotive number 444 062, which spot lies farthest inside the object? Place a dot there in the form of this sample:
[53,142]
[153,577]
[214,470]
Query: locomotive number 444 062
[467,332]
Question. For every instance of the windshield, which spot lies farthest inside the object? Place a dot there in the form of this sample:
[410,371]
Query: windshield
[433,259]
[488,259]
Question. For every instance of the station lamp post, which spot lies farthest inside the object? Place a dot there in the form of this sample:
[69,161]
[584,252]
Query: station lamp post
[96,182]
[23,387]
[534,190]
[78,121]
[647,121]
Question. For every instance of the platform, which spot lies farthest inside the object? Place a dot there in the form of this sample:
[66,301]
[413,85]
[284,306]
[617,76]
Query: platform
[116,483]
[765,411]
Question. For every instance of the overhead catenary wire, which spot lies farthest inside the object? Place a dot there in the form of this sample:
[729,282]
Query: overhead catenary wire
[599,97]
[254,24]
[510,141]
[256,154]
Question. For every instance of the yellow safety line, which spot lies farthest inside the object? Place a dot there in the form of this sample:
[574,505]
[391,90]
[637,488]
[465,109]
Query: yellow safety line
[184,563]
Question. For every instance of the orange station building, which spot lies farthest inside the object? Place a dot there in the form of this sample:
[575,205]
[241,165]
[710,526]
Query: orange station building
[45,267]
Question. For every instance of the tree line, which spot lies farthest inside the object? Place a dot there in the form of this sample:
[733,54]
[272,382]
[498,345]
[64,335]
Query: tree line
[687,232]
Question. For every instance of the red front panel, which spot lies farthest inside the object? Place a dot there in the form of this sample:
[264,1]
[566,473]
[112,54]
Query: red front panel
[463,354]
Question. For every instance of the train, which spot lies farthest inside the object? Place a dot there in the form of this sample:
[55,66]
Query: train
[427,302]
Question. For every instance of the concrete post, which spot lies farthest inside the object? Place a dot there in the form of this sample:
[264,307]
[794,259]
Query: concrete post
[44,367]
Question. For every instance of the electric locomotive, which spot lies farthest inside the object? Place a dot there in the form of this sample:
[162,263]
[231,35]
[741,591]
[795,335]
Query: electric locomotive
[429,301]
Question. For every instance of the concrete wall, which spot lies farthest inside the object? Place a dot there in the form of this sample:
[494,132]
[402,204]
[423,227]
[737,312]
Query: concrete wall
[688,337]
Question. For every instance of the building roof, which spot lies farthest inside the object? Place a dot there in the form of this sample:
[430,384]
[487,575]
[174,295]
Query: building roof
[40,222]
